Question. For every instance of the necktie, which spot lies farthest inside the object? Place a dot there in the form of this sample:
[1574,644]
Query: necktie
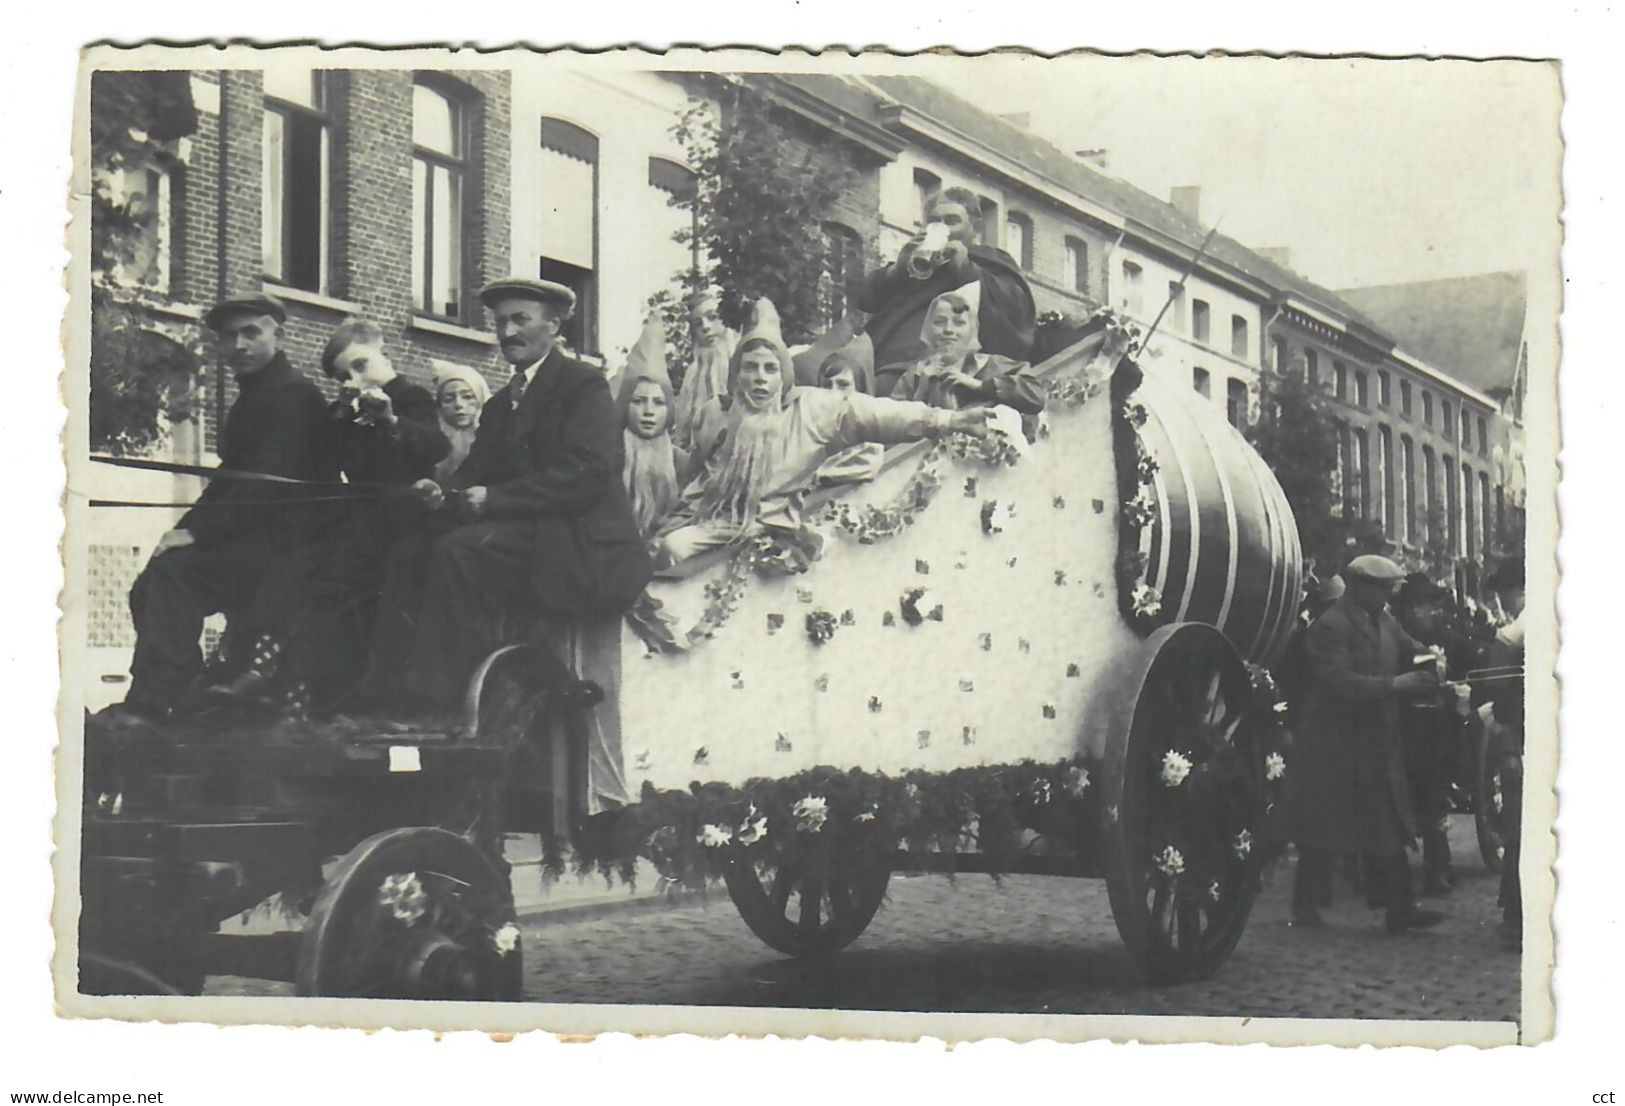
[516,388]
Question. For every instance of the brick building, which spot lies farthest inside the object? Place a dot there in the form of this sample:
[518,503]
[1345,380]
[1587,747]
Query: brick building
[378,193]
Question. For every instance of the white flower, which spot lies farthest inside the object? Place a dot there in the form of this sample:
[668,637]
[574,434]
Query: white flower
[506,939]
[1146,601]
[811,813]
[1243,843]
[1213,890]
[1280,707]
[754,827]
[866,816]
[714,836]
[1175,768]
[1274,766]
[1077,781]
[1170,862]
[405,897]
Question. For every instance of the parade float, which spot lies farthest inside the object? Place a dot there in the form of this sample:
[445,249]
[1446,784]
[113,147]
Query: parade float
[1042,653]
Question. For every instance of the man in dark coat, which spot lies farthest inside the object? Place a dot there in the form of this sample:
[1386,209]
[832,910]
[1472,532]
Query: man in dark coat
[1353,793]
[1433,732]
[1507,699]
[545,528]
[213,560]
[311,617]
[899,295]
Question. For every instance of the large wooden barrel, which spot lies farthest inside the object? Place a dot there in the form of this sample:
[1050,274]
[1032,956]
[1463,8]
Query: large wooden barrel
[1223,547]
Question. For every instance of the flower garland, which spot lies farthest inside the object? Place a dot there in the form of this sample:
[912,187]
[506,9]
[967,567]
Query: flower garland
[1140,603]
[1001,812]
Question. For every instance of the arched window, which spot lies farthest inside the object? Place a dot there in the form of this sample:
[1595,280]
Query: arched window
[1077,265]
[1407,484]
[1236,402]
[926,186]
[1405,398]
[843,270]
[439,172]
[1385,483]
[1018,238]
[1201,321]
[1238,337]
[1311,367]
[1385,394]
[1201,382]
[675,185]
[1131,298]
[568,194]
[1432,519]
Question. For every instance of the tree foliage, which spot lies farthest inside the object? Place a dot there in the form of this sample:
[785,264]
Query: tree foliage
[1297,437]
[762,194]
[141,380]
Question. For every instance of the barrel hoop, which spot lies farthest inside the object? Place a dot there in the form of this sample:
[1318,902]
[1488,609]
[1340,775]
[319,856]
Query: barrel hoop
[1270,620]
[1205,429]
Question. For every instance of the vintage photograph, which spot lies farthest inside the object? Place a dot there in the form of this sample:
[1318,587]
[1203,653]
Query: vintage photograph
[686,541]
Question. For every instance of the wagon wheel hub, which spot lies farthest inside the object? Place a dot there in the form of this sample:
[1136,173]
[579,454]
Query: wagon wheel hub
[1186,852]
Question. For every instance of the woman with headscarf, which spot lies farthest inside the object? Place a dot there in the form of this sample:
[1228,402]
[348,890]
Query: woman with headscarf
[460,393]
[761,449]
[653,464]
[954,373]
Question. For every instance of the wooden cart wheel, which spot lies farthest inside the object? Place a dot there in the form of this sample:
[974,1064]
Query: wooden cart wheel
[1185,806]
[806,910]
[105,975]
[1488,797]
[413,913]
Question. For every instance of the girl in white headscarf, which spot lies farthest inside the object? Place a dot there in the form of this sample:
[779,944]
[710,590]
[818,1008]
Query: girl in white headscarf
[460,393]
[954,373]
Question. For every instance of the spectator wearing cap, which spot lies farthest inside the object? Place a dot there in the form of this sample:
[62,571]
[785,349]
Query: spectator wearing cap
[211,562]
[1353,792]
[1506,655]
[539,521]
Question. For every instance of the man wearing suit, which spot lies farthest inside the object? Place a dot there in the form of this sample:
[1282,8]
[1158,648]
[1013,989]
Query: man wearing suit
[1353,793]
[543,522]
[213,560]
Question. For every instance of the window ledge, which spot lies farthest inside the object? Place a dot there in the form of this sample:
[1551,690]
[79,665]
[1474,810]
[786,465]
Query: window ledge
[311,299]
[444,329]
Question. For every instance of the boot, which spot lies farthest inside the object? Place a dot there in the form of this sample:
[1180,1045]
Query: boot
[255,683]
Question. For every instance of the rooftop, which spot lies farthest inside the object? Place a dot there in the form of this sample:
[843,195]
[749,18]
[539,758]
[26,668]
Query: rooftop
[1469,327]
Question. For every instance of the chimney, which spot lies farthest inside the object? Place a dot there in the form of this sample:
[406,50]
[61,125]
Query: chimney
[1187,200]
[1281,255]
[1022,119]
[1098,157]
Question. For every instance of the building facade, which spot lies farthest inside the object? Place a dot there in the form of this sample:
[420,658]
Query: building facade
[375,193]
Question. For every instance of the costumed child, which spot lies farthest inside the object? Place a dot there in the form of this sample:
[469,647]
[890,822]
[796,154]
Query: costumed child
[954,373]
[654,465]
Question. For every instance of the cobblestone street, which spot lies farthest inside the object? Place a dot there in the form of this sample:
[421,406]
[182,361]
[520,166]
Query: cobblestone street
[1030,944]
[1043,945]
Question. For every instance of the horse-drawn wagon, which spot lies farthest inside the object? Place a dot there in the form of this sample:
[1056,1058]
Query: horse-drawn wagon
[1041,658]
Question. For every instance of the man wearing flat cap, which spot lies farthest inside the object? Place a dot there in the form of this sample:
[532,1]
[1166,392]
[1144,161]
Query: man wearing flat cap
[212,560]
[1353,793]
[539,520]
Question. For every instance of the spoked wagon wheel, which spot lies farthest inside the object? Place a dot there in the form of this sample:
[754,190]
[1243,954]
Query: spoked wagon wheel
[413,913]
[808,908]
[1185,807]
[1488,796]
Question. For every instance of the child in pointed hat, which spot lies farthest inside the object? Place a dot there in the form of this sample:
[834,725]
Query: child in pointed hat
[653,464]
[954,373]
[756,455]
